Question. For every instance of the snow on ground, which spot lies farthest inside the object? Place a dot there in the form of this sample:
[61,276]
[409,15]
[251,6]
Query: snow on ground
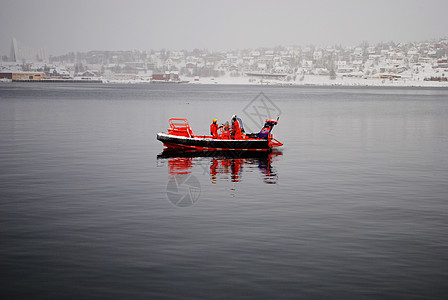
[316,80]
[307,80]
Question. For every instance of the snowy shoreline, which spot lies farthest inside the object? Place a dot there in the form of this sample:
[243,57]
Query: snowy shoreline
[315,80]
[310,80]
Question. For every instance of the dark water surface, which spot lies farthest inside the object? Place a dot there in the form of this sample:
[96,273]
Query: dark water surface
[355,205]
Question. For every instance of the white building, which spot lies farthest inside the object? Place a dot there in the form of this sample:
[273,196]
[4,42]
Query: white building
[20,53]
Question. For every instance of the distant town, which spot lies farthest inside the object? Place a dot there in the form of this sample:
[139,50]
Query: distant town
[409,64]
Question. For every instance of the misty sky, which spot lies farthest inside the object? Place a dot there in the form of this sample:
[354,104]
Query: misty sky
[63,26]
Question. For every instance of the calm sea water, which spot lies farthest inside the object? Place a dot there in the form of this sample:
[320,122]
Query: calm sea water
[354,205]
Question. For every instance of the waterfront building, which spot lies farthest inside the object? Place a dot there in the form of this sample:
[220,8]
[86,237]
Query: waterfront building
[28,75]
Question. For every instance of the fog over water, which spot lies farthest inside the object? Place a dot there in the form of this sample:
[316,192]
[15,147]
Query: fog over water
[64,26]
[352,206]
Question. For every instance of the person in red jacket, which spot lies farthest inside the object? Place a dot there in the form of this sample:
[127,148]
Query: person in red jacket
[214,129]
[236,129]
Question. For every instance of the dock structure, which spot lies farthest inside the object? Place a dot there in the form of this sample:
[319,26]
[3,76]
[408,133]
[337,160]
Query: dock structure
[58,80]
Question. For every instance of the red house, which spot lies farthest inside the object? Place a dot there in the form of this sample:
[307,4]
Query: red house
[165,77]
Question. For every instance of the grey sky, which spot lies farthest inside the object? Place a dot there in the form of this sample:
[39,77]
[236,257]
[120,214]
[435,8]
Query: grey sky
[61,26]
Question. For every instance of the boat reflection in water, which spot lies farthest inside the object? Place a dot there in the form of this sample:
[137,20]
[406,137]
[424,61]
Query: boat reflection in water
[222,165]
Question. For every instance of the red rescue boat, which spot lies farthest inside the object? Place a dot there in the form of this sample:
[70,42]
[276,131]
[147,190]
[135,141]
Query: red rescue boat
[181,136]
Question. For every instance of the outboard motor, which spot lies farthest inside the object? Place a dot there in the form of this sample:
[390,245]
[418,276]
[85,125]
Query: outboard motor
[267,128]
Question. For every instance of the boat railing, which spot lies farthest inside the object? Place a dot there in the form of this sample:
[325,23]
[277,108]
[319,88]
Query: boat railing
[180,127]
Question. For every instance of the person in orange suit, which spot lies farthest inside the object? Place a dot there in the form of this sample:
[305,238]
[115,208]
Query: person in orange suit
[226,131]
[214,129]
[236,129]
